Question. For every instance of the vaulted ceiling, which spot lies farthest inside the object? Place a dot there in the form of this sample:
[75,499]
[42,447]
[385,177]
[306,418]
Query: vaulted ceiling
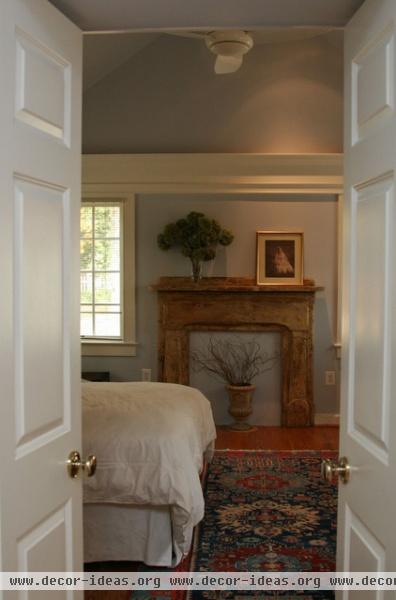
[104,15]
[104,53]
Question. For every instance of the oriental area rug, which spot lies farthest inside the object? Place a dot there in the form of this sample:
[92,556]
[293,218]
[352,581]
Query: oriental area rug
[265,511]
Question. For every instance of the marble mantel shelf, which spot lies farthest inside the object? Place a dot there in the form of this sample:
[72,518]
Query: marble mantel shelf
[228,284]
[238,304]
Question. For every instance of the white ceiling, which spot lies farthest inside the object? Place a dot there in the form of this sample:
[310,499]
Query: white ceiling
[104,15]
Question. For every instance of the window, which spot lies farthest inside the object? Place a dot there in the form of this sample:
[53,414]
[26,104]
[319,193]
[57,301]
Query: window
[101,282]
[106,276]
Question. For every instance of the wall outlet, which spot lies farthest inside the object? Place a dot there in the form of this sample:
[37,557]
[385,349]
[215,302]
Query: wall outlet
[146,374]
[330,378]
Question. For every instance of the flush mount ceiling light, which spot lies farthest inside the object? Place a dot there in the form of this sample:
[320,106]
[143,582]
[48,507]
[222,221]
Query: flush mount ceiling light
[229,48]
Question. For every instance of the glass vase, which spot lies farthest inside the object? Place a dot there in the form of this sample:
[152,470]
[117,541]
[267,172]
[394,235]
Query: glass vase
[196,270]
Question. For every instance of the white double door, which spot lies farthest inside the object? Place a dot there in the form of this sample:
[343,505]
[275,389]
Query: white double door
[367,508]
[40,83]
[40,412]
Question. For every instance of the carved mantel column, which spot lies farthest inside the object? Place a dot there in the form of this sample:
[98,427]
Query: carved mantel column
[237,304]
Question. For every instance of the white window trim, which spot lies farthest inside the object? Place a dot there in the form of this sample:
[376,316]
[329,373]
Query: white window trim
[126,346]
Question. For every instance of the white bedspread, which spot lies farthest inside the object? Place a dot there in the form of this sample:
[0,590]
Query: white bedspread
[149,439]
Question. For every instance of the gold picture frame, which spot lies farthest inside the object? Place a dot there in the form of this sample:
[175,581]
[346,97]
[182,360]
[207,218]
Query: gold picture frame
[280,258]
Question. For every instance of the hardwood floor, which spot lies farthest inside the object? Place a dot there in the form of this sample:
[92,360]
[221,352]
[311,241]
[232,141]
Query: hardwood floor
[261,438]
[279,438]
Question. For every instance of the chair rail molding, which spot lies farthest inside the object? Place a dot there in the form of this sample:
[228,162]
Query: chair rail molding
[216,173]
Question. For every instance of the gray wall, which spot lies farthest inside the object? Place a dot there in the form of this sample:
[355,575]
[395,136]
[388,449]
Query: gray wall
[317,217]
[287,97]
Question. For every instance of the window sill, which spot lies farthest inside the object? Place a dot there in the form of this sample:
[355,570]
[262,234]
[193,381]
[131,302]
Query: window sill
[111,348]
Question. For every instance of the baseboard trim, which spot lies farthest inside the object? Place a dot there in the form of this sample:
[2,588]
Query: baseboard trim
[327,419]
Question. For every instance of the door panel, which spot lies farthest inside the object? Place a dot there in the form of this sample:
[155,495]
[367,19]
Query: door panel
[39,69]
[365,552]
[40,213]
[40,117]
[373,84]
[48,545]
[370,220]
[366,534]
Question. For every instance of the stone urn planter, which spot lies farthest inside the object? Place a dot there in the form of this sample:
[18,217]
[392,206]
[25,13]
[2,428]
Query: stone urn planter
[236,360]
[240,405]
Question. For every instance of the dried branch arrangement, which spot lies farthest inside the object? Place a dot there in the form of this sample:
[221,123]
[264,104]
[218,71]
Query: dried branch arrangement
[234,360]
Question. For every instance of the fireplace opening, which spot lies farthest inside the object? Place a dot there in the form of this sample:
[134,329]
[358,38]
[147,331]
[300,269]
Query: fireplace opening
[239,305]
[267,399]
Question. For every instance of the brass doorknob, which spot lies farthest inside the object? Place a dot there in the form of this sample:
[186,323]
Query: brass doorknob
[329,469]
[74,464]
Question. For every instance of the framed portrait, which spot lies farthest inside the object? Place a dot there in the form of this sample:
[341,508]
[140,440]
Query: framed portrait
[279,258]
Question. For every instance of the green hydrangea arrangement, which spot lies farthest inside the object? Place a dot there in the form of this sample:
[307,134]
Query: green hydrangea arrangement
[197,236]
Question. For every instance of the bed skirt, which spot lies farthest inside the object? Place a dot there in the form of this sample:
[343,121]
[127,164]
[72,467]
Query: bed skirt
[115,532]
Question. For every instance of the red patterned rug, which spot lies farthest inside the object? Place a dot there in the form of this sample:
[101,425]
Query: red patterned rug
[265,511]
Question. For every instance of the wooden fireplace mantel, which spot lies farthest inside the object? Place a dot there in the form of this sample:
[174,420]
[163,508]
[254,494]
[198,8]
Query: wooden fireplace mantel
[238,304]
[228,284]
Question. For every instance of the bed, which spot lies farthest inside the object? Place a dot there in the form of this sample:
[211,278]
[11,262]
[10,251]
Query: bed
[151,441]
